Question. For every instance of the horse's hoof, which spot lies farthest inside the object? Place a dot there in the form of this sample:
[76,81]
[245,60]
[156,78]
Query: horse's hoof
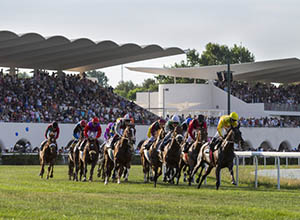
[184,179]
[47,177]
[198,186]
[151,178]
[165,179]
[105,183]
[119,181]
[197,180]
[51,176]
[126,180]
[84,180]
[233,183]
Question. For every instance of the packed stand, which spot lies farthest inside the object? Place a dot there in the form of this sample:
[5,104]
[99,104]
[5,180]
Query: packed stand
[63,98]
[252,122]
[263,93]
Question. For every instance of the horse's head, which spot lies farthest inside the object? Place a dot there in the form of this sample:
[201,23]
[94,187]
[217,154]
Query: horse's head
[92,149]
[177,135]
[129,134]
[202,135]
[237,135]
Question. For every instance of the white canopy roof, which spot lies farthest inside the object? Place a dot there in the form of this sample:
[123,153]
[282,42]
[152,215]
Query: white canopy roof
[35,51]
[281,71]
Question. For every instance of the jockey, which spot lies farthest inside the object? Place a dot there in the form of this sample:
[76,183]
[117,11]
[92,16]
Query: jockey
[193,128]
[119,127]
[51,128]
[78,132]
[225,122]
[152,132]
[185,124]
[109,131]
[170,126]
[92,130]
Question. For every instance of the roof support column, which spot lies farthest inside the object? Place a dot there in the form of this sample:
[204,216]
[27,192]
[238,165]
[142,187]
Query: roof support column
[12,71]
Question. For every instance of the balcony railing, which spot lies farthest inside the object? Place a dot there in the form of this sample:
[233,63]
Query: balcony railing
[282,107]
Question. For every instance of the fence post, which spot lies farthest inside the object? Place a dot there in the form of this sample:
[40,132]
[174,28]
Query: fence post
[286,161]
[265,161]
[244,160]
[298,161]
[256,163]
[237,162]
[205,180]
[278,173]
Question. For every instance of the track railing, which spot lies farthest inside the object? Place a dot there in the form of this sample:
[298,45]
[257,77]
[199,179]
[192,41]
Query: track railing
[256,154]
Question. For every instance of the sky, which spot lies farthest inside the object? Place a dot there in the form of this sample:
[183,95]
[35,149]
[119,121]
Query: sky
[268,28]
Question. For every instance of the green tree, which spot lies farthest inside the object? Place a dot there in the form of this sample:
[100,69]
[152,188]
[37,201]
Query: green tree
[23,75]
[124,87]
[102,78]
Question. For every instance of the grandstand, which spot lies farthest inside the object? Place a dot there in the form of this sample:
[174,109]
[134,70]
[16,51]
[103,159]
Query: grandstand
[258,102]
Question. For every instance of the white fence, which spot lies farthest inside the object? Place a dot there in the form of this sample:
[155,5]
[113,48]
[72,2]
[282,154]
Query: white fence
[255,155]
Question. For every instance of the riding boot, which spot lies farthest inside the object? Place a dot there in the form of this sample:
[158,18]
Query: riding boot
[114,140]
[148,145]
[186,147]
[43,144]
[213,143]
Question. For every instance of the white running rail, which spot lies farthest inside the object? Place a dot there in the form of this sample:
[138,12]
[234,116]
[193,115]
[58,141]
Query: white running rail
[256,154]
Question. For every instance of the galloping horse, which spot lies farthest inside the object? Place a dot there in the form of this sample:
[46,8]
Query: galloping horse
[223,157]
[48,155]
[171,154]
[90,156]
[155,158]
[123,152]
[190,160]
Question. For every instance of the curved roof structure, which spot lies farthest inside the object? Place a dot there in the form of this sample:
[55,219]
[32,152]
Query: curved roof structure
[35,51]
[280,71]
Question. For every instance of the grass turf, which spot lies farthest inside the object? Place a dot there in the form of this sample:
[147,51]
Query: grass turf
[23,195]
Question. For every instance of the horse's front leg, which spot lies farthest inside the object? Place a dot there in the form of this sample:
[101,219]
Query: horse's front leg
[48,172]
[52,169]
[42,169]
[218,179]
[230,168]
[92,171]
[84,170]
[120,171]
[205,175]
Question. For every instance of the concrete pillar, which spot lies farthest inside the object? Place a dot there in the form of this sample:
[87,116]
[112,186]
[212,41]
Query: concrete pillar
[82,75]
[12,71]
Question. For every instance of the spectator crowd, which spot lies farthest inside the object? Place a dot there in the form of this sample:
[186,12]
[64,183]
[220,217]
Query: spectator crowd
[263,92]
[63,98]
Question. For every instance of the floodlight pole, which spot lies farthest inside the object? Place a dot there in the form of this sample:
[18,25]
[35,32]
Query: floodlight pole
[228,86]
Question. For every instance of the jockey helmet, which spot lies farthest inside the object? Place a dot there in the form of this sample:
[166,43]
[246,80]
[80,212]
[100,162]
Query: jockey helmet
[188,120]
[82,123]
[95,120]
[126,117]
[175,119]
[201,118]
[234,116]
[54,124]
[162,121]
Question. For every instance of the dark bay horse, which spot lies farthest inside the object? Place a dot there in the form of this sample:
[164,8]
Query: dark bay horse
[152,153]
[223,157]
[155,157]
[171,154]
[48,155]
[189,160]
[123,152]
[90,156]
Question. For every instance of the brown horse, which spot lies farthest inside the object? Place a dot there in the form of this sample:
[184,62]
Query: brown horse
[123,152]
[155,157]
[48,155]
[190,159]
[120,158]
[171,155]
[145,163]
[223,157]
[90,156]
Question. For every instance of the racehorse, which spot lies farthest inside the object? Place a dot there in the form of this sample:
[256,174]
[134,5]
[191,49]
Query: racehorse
[155,158]
[189,160]
[221,158]
[90,156]
[48,155]
[171,154]
[123,152]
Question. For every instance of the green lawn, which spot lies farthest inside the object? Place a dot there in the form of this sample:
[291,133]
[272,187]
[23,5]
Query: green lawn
[23,195]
